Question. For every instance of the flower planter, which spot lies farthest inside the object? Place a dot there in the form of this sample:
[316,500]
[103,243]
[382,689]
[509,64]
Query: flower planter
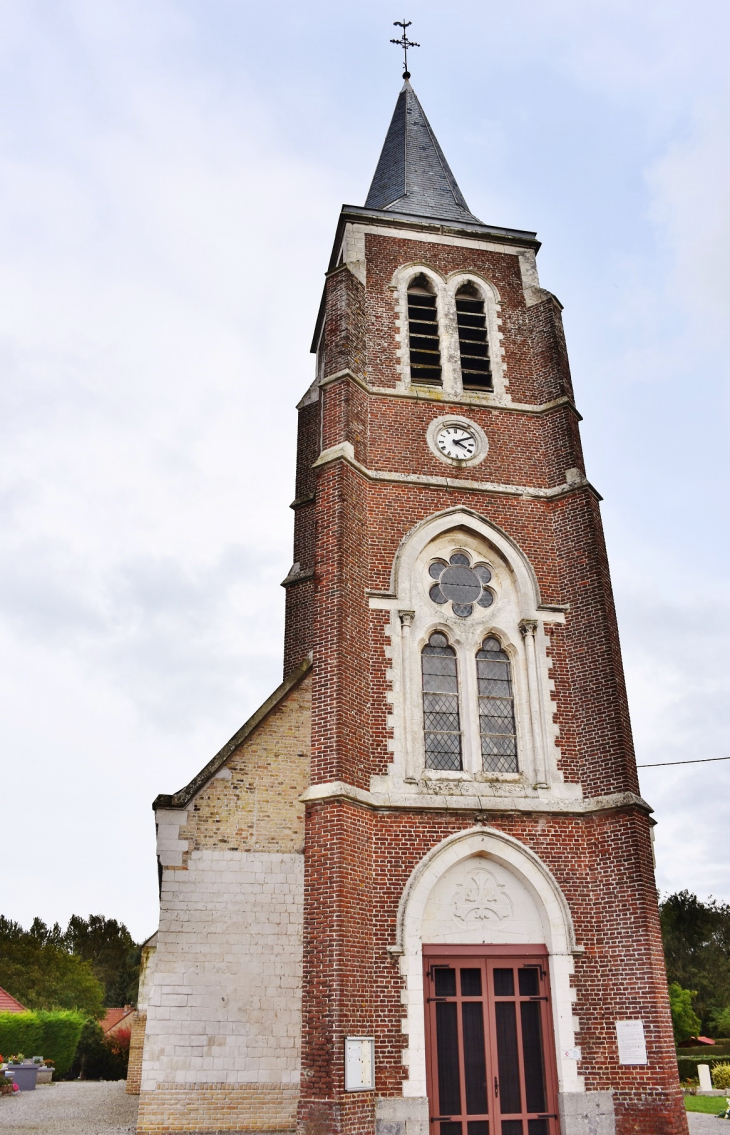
[24,1075]
[45,1075]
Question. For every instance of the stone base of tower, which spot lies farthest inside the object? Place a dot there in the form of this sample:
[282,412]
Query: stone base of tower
[213,1108]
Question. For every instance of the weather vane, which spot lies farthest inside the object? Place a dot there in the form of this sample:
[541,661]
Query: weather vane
[405,43]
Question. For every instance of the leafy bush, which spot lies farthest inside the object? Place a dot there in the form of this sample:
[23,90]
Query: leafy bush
[61,1033]
[688,1066]
[54,1034]
[98,1057]
[685,1021]
[20,1032]
[721,1075]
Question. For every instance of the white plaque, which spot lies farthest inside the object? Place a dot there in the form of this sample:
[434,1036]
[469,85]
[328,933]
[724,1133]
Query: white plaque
[359,1064]
[631,1042]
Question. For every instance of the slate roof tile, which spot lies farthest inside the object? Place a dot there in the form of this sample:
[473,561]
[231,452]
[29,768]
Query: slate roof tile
[412,175]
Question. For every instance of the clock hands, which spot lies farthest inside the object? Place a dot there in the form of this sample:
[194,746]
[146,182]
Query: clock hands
[456,438]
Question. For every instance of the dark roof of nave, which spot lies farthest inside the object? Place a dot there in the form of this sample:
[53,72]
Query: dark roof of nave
[412,175]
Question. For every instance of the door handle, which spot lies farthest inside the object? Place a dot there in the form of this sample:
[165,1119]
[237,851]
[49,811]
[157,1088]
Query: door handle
[496,1086]
[545,1115]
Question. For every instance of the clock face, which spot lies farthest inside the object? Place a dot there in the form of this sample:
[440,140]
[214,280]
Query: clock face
[456,442]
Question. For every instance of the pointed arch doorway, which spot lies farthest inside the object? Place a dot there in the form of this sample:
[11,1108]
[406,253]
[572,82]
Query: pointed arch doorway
[490,1057]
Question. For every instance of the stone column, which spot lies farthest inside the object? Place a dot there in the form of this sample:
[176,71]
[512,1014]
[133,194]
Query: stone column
[528,627]
[406,621]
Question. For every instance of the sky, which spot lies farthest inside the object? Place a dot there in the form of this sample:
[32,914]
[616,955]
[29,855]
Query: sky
[171,172]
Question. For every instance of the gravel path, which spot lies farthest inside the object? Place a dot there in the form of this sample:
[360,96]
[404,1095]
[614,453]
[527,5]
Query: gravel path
[90,1108]
[700,1124]
[70,1108]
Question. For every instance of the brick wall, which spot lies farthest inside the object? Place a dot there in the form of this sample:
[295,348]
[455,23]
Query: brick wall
[355,875]
[216,1107]
[358,859]
[136,1047]
[252,804]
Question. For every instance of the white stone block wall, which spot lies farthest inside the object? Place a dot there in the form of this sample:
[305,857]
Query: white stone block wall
[225,1005]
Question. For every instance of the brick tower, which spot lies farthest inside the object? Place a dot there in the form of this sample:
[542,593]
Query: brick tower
[475,838]
[414,893]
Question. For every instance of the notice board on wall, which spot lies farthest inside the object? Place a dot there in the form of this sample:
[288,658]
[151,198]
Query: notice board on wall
[359,1064]
[631,1042]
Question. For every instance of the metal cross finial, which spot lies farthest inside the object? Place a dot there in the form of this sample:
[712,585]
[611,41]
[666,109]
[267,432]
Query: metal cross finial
[405,43]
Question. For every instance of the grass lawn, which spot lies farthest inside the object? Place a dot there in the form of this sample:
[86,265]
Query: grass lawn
[710,1105]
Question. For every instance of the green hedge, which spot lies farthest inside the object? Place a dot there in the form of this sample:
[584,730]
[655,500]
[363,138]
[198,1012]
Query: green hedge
[688,1064]
[53,1035]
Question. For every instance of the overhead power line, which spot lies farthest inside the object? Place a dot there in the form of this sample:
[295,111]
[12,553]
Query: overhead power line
[699,761]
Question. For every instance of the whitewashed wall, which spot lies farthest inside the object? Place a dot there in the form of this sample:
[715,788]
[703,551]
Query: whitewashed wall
[225,1006]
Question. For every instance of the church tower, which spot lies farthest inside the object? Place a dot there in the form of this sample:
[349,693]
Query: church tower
[414,894]
[479,890]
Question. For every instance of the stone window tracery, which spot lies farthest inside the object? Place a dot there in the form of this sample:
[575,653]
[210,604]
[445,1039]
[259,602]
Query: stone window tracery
[441,719]
[460,584]
[496,708]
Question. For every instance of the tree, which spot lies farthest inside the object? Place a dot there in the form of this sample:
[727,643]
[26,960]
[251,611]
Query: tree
[696,938]
[685,1021]
[111,952]
[37,969]
[721,1023]
[99,1057]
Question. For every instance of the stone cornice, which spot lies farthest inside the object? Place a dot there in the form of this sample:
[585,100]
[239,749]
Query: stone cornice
[381,801]
[345,452]
[439,398]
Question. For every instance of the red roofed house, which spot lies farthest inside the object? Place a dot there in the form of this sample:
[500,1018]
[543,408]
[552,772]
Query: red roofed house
[8,1004]
[117,1020]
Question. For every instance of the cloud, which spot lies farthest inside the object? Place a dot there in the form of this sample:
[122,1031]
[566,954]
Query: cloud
[170,177]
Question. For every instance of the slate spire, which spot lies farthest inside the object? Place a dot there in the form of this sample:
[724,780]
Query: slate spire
[412,175]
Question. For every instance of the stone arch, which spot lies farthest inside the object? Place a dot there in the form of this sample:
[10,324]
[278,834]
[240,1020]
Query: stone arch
[427,530]
[400,281]
[515,611]
[454,280]
[486,844]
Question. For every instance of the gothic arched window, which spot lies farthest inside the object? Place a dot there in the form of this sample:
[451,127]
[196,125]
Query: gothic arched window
[476,373]
[441,726]
[423,332]
[496,708]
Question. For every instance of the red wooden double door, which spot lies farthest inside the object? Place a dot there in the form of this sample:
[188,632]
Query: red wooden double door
[489,1036]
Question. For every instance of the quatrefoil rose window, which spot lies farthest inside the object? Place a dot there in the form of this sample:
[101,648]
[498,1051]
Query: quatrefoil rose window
[461,584]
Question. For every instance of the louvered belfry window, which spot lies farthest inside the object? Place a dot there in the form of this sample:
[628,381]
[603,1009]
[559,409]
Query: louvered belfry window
[423,333]
[441,724]
[496,708]
[476,373]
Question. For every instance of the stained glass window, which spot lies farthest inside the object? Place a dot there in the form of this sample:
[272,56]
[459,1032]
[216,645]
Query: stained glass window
[496,708]
[441,726]
[461,584]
